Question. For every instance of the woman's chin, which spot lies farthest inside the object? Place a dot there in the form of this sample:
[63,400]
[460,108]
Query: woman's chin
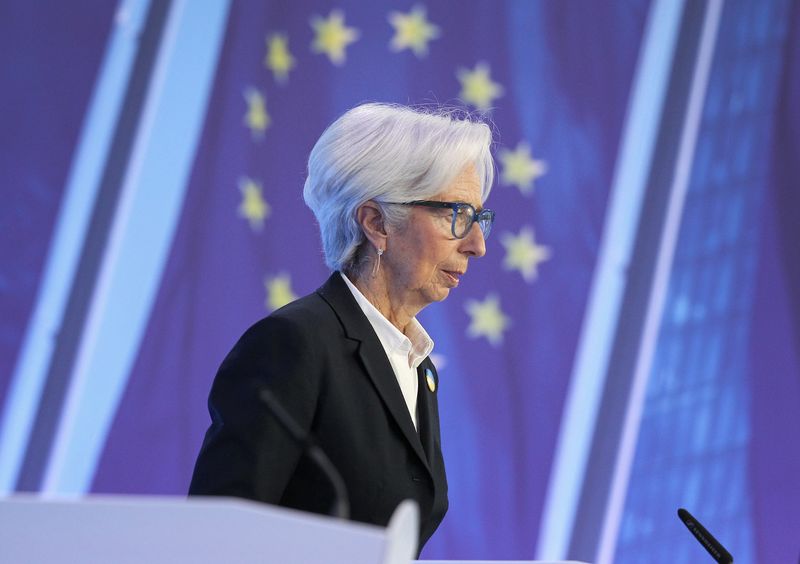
[441,293]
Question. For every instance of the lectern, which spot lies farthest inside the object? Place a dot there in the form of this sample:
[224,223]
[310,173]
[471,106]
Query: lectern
[160,530]
[156,530]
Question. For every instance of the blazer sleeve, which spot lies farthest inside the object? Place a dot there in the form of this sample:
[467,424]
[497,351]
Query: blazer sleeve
[246,452]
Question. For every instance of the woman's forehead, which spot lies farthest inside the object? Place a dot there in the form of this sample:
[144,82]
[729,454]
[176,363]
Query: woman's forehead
[466,187]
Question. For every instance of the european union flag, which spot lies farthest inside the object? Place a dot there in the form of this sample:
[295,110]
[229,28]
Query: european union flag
[246,244]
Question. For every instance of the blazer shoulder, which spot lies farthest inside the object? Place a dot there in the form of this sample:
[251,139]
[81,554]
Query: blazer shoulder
[291,340]
[318,320]
[307,316]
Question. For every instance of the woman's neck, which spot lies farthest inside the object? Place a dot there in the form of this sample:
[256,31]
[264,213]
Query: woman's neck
[380,294]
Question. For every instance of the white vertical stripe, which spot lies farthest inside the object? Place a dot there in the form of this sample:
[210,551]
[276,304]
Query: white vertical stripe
[28,378]
[99,301]
[140,239]
[627,192]
[658,291]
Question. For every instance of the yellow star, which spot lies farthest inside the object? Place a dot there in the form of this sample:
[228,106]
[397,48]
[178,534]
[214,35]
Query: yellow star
[278,58]
[332,37]
[412,31]
[256,119]
[279,291]
[519,168]
[253,207]
[523,254]
[477,87]
[488,320]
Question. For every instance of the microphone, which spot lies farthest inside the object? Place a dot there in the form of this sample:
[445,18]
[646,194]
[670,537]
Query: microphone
[341,504]
[712,545]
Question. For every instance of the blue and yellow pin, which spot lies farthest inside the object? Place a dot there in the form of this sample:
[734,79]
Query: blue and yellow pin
[430,379]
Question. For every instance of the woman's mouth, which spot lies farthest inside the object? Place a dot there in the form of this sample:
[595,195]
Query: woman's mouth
[453,276]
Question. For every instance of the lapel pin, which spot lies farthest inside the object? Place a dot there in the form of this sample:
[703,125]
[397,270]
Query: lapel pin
[430,379]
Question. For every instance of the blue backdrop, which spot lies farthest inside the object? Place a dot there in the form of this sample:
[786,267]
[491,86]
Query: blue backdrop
[208,232]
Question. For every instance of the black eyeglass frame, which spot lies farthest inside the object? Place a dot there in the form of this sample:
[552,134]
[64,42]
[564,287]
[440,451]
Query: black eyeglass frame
[484,218]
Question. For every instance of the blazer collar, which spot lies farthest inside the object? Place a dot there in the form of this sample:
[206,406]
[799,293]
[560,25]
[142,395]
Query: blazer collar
[356,327]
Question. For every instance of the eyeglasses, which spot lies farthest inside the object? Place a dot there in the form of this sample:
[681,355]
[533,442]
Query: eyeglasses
[464,215]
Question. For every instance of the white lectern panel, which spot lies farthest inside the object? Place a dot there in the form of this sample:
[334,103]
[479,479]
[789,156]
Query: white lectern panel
[133,529]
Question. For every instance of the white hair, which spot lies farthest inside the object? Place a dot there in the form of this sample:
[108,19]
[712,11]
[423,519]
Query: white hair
[389,153]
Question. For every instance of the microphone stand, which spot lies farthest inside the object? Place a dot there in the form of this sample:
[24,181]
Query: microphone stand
[341,505]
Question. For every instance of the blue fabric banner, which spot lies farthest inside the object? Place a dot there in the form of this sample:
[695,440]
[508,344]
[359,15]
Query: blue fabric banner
[45,88]
[554,79]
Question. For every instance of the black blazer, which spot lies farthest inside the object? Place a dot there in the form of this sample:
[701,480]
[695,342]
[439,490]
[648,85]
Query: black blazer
[323,361]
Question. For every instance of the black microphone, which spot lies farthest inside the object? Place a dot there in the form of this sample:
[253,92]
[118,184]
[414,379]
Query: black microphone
[712,545]
[341,504]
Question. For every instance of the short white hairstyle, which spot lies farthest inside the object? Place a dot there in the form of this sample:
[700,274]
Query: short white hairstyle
[388,153]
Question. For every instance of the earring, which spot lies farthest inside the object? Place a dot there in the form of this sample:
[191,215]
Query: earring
[377,265]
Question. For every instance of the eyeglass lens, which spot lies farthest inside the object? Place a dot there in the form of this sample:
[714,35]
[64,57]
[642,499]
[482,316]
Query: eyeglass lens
[465,215]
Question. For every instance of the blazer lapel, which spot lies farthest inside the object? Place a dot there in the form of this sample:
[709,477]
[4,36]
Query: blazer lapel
[357,327]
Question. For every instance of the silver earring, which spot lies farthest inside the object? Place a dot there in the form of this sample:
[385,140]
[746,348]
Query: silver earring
[377,264]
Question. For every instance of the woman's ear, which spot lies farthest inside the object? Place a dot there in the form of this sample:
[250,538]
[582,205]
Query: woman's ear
[370,217]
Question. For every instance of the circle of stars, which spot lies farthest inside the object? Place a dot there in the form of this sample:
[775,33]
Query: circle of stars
[412,31]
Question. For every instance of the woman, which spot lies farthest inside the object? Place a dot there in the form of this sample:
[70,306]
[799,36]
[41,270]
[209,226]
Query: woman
[397,193]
